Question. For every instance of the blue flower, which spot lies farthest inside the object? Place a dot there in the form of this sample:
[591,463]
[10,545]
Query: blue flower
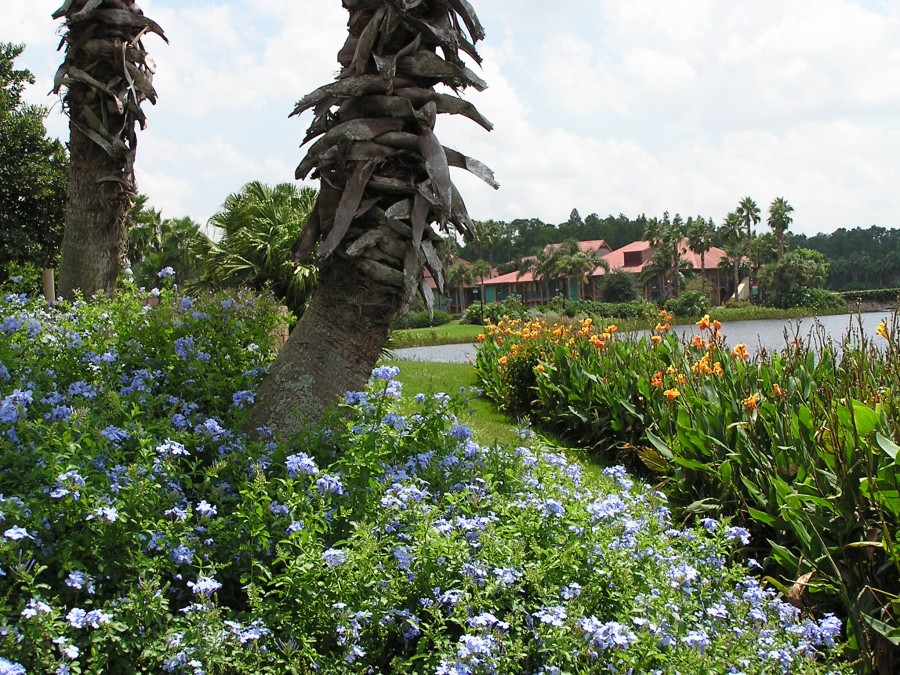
[170,448]
[386,373]
[334,557]
[554,616]
[165,272]
[241,399]
[182,554]
[205,509]
[114,434]
[608,635]
[8,667]
[301,463]
[205,586]
[329,484]
[16,533]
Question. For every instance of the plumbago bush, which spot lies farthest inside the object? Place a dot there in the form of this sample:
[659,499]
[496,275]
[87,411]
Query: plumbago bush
[142,532]
[799,446]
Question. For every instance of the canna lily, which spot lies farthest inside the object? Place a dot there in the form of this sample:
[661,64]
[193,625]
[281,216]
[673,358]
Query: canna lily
[698,342]
[671,394]
[882,330]
[657,379]
[777,390]
[751,402]
[740,352]
[703,324]
[655,339]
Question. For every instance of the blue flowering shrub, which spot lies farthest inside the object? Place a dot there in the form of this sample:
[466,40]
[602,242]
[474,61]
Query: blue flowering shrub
[141,531]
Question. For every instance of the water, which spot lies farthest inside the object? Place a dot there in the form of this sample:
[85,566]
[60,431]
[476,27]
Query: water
[768,334]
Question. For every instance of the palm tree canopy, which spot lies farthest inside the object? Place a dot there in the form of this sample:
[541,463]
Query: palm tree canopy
[260,225]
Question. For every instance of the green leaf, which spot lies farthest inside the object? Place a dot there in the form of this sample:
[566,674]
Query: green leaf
[886,444]
[660,445]
[888,632]
[762,517]
[866,419]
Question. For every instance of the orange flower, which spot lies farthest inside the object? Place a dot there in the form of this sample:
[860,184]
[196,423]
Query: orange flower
[698,342]
[671,394]
[655,339]
[540,368]
[882,330]
[703,324]
[662,328]
[717,326]
[751,402]
[597,341]
[502,360]
[681,378]
[702,366]
[656,380]
[481,337]
[777,390]
[717,369]
[671,370]
[612,328]
[740,352]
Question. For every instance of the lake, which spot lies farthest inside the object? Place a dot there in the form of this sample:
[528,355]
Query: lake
[768,334]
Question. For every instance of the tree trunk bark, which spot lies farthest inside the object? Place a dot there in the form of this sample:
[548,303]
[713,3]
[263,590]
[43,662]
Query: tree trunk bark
[49,285]
[331,350]
[98,201]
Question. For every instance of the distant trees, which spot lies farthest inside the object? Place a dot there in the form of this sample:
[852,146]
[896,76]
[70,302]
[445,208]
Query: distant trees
[568,261]
[32,177]
[155,243]
[700,235]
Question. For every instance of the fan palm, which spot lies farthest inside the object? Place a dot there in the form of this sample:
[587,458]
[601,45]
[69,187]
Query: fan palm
[107,75]
[260,225]
[699,236]
[780,220]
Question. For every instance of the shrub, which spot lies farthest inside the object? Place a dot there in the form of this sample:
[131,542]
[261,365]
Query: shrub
[619,286]
[690,305]
[421,319]
[512,306]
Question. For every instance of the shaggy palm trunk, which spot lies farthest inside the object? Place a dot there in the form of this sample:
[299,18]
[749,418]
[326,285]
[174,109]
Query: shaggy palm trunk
[94,238]
[331,350]
[106,75]
[385,180]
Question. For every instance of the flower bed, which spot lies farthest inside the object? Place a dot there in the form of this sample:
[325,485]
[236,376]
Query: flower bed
[142,531]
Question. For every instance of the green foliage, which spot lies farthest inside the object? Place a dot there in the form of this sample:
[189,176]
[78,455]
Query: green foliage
[797,446]
[619,286]
[689,305]
[785,282]
[887,295]
[32,174]
[513,307]
[421,319]
[143,531]
[260,225]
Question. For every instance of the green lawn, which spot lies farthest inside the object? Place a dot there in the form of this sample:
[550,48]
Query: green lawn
[448,334]
[489,425]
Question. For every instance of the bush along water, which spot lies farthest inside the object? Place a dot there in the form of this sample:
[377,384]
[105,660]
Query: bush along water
[798,446]
[143,532]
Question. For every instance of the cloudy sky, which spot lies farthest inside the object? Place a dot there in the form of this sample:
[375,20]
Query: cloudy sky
[607,106]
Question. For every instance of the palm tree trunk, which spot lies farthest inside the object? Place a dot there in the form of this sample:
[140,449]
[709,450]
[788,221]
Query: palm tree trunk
[331,350]
[703,273]
[97,205]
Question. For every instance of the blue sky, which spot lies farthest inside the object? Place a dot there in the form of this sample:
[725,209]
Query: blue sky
[607,106]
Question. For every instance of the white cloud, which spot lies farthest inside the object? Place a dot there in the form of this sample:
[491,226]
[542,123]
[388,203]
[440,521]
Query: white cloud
[612,106]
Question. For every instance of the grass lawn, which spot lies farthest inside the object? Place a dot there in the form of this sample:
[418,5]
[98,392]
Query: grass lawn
[448,334]
[489,425]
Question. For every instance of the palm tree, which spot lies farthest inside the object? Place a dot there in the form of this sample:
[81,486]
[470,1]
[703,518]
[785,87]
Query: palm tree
[780,220]
[107,75]
[749,214]
[699,236]
[666,237]
[260,225]
[568,261]
[457,276]
[384,180]
[481,269]
[734,245]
